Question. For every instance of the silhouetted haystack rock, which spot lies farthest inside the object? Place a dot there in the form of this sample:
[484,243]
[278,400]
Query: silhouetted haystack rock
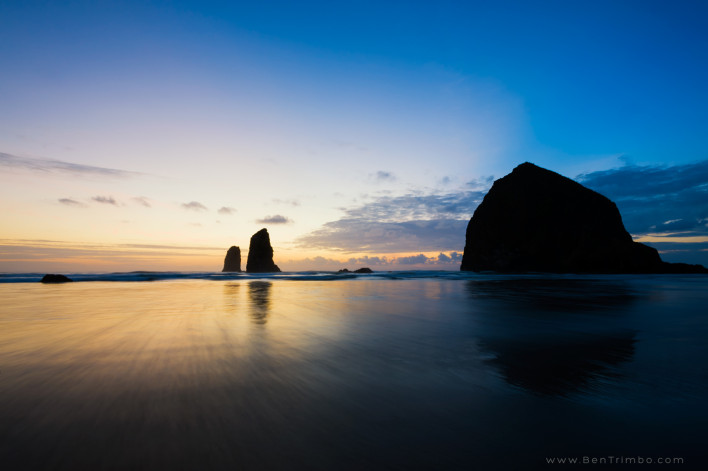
[535,220]
[232,261]
[260,254]
[50,278]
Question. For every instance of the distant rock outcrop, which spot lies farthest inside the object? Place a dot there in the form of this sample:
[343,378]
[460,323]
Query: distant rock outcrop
[260,254]
[232,261]
[535,220]
[51,278]
[358,270]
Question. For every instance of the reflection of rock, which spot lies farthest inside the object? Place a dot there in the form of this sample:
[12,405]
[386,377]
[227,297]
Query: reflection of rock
[260,254]
[553,294]
[554,336]
[560,366]
[49,278]
[232,262]
[537,220]
[259,293]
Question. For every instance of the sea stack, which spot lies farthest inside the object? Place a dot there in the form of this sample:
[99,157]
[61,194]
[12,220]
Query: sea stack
[260,254]
[232,262]
[54,278]
[535,220]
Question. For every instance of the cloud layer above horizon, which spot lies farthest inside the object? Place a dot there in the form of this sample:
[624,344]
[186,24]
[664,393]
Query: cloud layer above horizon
[395,224]
[657,199]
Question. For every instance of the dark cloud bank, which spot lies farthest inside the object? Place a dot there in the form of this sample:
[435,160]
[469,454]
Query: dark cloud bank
[657,199]
[661,200]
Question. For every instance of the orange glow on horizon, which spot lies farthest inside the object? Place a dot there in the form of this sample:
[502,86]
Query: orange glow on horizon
[61,256]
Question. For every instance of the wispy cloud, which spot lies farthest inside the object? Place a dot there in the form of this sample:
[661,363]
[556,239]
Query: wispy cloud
[289,202]
[105,200]
[143,201]
[194,206]
[481,183]
[70,202]
[169,247]
[276,219]
[226,210]
[382,176]
[50,166]
[418,206]
[394,224]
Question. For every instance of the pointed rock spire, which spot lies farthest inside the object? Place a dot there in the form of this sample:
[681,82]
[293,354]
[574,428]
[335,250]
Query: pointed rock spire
[260,254]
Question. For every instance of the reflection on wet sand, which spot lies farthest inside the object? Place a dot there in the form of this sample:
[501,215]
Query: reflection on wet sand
[555,294]
[556,358]
[561,366]
[231,296]
[346,375]
[259,294]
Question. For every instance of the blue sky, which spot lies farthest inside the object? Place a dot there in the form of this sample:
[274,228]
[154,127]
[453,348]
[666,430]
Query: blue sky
[322,120]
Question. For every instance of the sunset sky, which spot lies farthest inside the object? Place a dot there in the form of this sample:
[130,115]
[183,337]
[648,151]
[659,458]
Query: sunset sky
[154,135]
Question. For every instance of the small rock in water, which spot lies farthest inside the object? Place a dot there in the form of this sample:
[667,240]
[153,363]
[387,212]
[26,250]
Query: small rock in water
[360,270]
[53,278]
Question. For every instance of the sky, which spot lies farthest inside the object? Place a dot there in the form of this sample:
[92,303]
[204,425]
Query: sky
[155,135]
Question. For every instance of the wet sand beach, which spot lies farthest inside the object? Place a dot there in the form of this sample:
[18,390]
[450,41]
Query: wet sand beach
[423,373]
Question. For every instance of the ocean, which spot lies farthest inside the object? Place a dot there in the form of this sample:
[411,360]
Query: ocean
[326,371]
